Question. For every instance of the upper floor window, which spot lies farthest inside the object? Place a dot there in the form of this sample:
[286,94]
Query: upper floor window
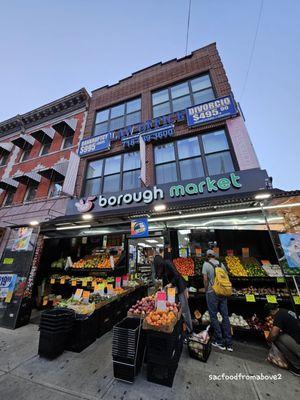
[3,158]
[56,188]
[46,145]
[25,154]
[113,174]
[117,117]
[178,97]
[68,139]
[31,192]
[9,197]
[194,157]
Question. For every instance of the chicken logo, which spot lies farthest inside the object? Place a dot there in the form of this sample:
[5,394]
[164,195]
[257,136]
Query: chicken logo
[85,205]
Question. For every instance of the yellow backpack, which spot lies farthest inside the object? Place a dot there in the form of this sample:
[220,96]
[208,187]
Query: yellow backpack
[222,285]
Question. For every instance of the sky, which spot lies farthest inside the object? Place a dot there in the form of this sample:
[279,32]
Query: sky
[51,48]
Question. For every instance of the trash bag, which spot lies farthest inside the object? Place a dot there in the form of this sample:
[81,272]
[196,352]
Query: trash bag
[275,357]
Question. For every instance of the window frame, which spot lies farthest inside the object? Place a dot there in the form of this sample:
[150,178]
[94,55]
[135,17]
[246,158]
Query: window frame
[202,154]
[25,151]
[65,137]
[52,183]
[8,192]
[191,93]
[27,192]
[109,119]
[121,173]
[45,142]
[4,156]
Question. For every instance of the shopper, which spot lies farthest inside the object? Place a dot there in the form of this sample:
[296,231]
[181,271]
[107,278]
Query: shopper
[215,304]
[285,334]
[165,270]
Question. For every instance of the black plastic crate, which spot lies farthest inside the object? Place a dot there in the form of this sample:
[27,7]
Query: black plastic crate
[161,374]
[163,344]
[51,345]
[124,372]
[83,334]
[59,326]
[202,352]
[58,314]
[162,359]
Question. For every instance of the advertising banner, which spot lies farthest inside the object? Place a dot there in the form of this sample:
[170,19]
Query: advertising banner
[290,243]
[7,285]
[23,239]
[94,144]
[222,107]
[139,228]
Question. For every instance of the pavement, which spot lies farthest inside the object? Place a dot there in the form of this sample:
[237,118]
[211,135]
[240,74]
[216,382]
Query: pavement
[89,375]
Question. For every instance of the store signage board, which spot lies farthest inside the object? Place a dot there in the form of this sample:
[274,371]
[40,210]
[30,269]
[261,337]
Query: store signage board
[192,190]
[23,239]
[94,144]
[139,227]
[150,136]
[223,107]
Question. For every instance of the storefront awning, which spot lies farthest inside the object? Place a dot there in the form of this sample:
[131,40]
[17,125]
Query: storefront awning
[28,177]
[65,127]
[23,141]
[58,171]
[43,135]
[8,183]
[6,147]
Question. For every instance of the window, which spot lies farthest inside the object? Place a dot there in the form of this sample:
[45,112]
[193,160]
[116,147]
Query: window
[68,140]
[193,157]
[112,174]
[3,158]
[45,148]
[56,188]
[26,153]
[117,117]
[9,198]
[182,95]
[31,192]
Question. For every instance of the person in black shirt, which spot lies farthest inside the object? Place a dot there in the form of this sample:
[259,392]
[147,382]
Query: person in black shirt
[166,271]
[285,334]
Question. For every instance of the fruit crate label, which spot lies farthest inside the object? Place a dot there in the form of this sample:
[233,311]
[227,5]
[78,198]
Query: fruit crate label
[296,300]
[271,298]
[62,281]
[250,298]
[52,281]
[73,282]
[280,280]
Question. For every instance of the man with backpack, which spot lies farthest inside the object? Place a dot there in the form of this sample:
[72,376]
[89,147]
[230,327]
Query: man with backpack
[217,288]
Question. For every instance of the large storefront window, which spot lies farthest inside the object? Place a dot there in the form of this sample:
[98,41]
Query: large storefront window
[117,117]
[183,95]
[194,157]
[112,174]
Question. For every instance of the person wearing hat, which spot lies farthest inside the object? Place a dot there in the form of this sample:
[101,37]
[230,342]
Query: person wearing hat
[215,304]
[285,334]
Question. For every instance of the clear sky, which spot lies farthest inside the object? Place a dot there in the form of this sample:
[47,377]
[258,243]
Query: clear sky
[50,48]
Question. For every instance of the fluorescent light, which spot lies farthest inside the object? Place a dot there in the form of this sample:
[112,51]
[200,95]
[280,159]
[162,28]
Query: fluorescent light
[64,228]
[151,241]
[160,207]
[262,196]
[87,217]
[142,244]
[184,231]
[159,245]
[34,223]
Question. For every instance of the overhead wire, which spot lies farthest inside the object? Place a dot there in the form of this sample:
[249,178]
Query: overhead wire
[252,49]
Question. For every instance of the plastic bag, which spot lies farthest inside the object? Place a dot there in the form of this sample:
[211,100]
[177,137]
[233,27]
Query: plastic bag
[277,358]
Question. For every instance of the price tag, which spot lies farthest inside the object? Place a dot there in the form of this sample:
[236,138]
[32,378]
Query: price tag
[62,281]
[185,277]
[245,252]
[250,298]
[78,294]
[161,301]
[271,298]
[8,297]
[8,261]
[125,280]
[266,333]
[94,283]
[296,300]
[199,252]
[171,295]
[73,282]
[83,281]
[110,288]
[52,281]
[118,282]
[86,294]
[45,302]
[280,280]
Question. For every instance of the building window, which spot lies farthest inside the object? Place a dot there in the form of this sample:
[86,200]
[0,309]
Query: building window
[3,158]
[45,148]
[113,174]
[31,192]
[117,117]
[68,140]
[56,188]
[178,97]
[25,154]
[9,197]
[193,157]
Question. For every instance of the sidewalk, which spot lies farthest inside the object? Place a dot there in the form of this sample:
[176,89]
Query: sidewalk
[88,375]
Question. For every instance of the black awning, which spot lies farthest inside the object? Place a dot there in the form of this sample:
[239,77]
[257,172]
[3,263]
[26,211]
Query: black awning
[65,127]
[58,171]
[8,184]
[23,141]
[43,135]
[28,177]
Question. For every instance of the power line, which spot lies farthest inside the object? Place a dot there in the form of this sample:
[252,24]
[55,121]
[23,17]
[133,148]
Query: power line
[253,48]
[188,28]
